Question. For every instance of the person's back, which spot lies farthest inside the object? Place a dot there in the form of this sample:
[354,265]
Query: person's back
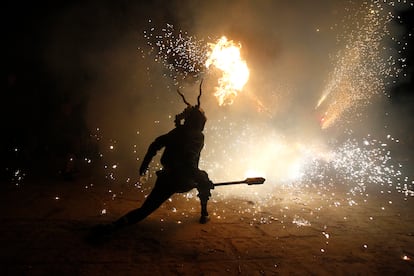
[182,149]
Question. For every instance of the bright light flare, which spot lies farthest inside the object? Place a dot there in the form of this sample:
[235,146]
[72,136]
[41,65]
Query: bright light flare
[254,173]
[225,56]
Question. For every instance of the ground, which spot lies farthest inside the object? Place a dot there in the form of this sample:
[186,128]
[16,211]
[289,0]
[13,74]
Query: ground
[45,224]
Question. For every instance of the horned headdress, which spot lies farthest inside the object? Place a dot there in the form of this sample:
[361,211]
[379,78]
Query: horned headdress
[193,116]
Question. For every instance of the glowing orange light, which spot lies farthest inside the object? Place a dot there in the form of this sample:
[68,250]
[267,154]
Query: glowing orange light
[225,56]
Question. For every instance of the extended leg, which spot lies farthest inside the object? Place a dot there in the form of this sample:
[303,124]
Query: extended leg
[154,200]
[160,193]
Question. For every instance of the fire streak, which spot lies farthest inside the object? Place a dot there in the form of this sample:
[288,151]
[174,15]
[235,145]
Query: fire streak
[225,56]
[362,69]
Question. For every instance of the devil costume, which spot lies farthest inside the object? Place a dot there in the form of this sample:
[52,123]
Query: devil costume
[180,160]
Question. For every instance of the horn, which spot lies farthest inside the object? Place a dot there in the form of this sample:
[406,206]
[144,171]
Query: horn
[199,95]
[182,96]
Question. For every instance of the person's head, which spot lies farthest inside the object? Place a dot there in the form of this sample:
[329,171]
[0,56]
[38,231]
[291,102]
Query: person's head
[193,117]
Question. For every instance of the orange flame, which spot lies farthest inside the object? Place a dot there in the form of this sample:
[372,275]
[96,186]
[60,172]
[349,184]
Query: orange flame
[225,56]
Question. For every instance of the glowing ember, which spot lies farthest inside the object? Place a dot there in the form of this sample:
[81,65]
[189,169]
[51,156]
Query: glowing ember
[225,56]
[300,221]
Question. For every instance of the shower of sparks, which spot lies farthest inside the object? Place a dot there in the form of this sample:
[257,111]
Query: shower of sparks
[353,165]
[225,56]
[358,164]
[185,57]
[364,65]
[18,177]
[300,221]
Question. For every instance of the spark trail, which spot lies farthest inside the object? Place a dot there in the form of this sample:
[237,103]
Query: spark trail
[363,67]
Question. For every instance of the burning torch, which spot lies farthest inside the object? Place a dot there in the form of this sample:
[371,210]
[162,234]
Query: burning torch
[248,181]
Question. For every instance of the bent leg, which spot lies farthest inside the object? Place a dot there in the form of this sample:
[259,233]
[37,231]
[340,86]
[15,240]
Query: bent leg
[204,196]
[204,186]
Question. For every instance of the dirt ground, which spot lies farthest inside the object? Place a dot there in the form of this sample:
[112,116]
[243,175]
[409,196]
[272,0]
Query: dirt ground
[45,224]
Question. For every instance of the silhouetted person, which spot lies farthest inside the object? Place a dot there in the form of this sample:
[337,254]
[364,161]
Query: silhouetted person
[180,160]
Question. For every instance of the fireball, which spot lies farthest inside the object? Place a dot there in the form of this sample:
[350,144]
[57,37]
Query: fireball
[225,56]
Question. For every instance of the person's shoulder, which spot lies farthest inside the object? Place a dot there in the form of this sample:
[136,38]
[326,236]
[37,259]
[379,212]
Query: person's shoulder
[177,131]
[198,134]
[180,128]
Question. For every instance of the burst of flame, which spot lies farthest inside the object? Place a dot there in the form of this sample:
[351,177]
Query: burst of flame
[225,56]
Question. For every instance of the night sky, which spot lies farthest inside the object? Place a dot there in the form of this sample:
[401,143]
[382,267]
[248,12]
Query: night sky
[78,69]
